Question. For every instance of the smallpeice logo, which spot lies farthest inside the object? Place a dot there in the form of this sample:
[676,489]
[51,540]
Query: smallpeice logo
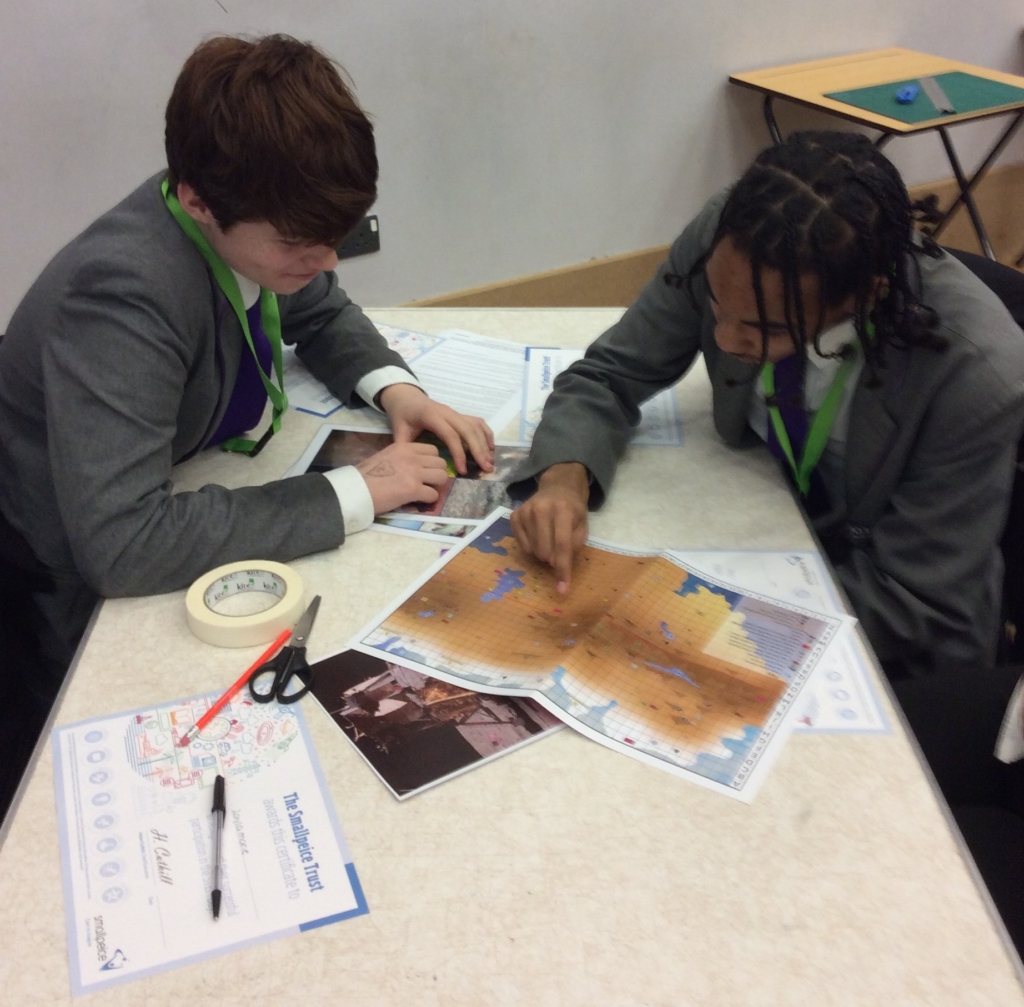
[99,938]
[117,960]
[99,934]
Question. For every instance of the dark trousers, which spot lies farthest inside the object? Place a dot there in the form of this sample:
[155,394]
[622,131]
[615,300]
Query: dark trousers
[42,618]
[956,718]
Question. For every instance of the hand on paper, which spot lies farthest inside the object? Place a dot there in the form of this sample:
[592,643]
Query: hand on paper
[552,524]
[401,474]
[411,412]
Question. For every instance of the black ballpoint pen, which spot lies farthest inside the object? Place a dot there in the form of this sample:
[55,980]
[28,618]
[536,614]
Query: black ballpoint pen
[218,814]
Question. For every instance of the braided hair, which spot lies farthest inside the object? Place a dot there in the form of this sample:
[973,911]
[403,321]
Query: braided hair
[831,204]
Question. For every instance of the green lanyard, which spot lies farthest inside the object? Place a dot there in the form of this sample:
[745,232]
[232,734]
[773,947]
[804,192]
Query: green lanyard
[270,318]
[821,425]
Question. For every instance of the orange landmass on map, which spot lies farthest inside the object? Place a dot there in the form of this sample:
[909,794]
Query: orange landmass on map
[607,633]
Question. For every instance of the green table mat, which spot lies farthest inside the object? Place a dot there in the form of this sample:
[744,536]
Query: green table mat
[966,93]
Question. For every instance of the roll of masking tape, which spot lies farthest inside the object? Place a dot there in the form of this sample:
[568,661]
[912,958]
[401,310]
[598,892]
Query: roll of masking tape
[244,604]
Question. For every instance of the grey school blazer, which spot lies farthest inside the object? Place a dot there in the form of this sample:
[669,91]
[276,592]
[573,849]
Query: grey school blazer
[930,453]
[118,364]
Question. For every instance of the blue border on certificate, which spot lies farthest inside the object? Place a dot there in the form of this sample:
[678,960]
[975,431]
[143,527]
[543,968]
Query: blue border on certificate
[71,923]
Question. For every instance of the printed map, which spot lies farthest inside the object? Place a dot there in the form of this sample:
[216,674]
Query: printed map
[643,655]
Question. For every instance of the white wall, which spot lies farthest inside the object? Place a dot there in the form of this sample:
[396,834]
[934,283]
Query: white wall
[513,137]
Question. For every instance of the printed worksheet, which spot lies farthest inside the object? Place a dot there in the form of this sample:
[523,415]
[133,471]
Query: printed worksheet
[675,668]
[473,374]
[137,837]
[659,417]
[304,392]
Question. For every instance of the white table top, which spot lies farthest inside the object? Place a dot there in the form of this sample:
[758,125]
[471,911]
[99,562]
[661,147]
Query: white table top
[564,873]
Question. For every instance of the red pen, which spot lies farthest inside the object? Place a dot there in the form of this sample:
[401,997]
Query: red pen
[186,738]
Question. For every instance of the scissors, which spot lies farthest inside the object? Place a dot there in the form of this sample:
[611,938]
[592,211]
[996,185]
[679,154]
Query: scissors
[290,661]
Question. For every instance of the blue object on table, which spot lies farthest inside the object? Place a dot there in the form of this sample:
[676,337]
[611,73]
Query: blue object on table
[905,95]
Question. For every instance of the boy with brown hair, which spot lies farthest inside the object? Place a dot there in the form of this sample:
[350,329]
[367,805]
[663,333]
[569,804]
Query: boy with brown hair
[157,333]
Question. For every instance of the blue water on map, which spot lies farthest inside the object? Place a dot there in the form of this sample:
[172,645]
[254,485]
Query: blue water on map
[693,584]
[558,691]
[507,581]
[678,672]
[592,716]
[488,540]
[724,770]
[669,635]
[393,645]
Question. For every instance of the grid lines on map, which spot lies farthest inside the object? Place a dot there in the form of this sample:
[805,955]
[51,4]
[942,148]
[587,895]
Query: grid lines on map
[641,651]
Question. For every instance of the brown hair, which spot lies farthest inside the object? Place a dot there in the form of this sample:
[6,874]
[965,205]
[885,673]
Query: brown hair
[266,129]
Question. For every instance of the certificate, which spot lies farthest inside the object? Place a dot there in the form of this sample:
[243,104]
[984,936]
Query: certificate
[137,837]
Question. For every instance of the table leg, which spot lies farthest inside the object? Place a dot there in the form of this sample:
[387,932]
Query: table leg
[883,139]
[769,118]
[967,187]
[996,150]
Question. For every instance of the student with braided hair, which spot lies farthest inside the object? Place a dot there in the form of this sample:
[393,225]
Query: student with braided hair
[887,378]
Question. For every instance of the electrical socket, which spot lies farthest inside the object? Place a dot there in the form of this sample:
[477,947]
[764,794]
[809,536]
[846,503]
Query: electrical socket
[363,239]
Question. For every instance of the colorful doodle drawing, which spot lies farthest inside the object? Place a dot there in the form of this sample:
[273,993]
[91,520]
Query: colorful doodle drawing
[243,738]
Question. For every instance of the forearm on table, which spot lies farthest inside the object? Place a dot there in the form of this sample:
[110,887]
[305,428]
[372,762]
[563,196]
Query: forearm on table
[163,543]
[337,342]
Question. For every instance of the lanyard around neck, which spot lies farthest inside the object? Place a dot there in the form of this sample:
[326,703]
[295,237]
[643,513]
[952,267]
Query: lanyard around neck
[821,425]
[270,319]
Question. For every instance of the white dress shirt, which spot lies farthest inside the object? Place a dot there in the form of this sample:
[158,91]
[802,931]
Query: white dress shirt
[821,372]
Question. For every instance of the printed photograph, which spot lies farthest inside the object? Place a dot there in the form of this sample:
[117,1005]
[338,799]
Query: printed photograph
[472,496]
[416,731]
[416,525]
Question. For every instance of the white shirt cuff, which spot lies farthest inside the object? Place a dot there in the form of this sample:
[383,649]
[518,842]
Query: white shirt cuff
[1010,743]
[353,496]
[372,384]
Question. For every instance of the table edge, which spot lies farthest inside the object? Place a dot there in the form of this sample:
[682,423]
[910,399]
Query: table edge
[759,80]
